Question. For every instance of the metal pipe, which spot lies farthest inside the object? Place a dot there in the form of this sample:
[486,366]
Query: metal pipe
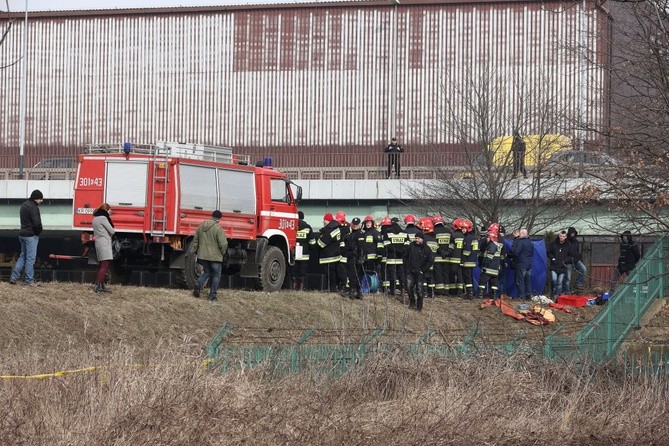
[22,95]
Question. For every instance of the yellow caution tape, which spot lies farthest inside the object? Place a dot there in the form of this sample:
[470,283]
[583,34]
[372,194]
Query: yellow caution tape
[50,375]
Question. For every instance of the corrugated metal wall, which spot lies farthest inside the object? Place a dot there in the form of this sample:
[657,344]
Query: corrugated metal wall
[294,80]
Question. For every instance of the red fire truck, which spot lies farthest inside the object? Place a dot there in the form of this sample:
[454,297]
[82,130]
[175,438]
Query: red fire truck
[161,193]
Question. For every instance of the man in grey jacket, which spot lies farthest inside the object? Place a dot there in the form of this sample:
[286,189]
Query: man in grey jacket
[31,227]
[210,245]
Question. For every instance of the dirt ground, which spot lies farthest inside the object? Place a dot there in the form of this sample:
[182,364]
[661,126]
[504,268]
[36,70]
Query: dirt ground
[57,314]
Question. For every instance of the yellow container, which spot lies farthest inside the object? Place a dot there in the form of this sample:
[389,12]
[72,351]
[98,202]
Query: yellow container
[538,148]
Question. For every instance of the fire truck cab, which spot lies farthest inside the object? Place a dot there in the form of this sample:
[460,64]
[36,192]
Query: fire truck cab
[161,193]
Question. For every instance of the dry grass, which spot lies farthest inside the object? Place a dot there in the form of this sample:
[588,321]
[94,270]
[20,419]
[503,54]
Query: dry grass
[149,387]
[391,400]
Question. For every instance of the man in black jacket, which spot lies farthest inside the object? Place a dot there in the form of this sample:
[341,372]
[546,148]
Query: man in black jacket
[629,256]
[418,259]
[559,254]
[31,227]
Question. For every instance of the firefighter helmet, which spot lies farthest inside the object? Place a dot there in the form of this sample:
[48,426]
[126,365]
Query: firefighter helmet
[438,219]
[467,226]
[428,226]
[410,219]
[494,227]
[457,224]
[385,221]
[492,235]
[368,218]
[341,217]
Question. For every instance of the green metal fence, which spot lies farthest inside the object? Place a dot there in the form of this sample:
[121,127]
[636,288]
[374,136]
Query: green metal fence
[602,337]
[598,341]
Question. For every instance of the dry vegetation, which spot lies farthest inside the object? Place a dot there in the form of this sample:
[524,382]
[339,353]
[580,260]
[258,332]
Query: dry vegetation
[150,388]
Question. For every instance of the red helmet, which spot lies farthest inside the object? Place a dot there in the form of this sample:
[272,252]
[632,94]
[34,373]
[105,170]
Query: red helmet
[368,218]
[438,219]
[457,224]
[385,221]
[409,219]
[467,226]
[494,227]
[428,226]
[341,217]
[494,236]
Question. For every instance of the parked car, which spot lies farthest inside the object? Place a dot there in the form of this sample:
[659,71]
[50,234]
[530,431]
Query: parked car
[59,168]
[57,163]
[578,161]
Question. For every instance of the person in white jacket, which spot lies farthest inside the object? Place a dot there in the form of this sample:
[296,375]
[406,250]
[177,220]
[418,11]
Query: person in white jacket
[103,230]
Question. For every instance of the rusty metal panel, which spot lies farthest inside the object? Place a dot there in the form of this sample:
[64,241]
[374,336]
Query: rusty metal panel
[292,79]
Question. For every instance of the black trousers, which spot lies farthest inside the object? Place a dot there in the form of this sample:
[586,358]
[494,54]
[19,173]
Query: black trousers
[394,160]
[300,272]
[396,273]
[330,272]
[415,289]
[455,278]
[519,163]
[354,270]
[484,280]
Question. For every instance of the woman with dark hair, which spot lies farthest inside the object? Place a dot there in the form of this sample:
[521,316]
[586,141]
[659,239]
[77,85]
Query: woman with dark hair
[103,230]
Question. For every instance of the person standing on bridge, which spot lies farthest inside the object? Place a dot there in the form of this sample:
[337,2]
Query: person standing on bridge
[103,230]
[31,227]
[210,244]
[393,150]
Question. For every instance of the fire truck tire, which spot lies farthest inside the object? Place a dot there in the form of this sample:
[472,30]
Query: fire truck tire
[272,271]
[193,271]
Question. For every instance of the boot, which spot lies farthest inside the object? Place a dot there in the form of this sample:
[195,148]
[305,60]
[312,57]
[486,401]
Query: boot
[104,288]
[358,294]
[97,288]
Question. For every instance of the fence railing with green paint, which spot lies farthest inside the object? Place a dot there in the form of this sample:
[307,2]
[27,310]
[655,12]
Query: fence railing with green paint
[602,337]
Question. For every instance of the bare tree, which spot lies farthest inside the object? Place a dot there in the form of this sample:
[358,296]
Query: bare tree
[6,28]
[638,196]
[476,111]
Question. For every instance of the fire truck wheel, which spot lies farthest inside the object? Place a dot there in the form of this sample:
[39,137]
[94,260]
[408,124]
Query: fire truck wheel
[272,270]
[193,271]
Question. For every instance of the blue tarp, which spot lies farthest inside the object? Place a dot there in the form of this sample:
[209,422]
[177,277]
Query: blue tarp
[507,277]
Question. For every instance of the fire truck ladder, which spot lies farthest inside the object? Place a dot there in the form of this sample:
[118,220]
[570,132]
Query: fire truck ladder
[159,192]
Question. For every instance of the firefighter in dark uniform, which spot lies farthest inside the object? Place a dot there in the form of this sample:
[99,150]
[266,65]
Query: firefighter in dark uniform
[344,230]
[455,285]
[394,241]
[470,254]
[418,258]
[441,272]
[306,241]
[426,225]
[385,224]
[410,228]
[490,264]
[372,246]
[330,251]
[354,259]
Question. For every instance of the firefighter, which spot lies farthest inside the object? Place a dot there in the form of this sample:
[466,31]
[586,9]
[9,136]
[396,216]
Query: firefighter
[330,254]
[455,246]
[418,259]
[344,229]
[385,224]
[354,259]
[490,264]
[394,241]
[426,225]
[470,253]
[441,265]
[410,227]
[306,241]
[372,245]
